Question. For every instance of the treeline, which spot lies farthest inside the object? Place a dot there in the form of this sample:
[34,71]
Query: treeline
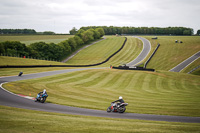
[24,32]
[112,30]
[17,31]
[50,51]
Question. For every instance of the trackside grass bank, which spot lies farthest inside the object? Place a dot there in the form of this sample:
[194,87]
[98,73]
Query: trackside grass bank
[163,93]
[4,60]
[21,61]
[170,53]
[14,120]
[97,52]
[102,50]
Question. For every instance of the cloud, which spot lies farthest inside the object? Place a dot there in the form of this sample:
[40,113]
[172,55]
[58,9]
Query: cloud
[61,15]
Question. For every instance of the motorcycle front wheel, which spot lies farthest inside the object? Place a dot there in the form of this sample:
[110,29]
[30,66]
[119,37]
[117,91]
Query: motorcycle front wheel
[109,109]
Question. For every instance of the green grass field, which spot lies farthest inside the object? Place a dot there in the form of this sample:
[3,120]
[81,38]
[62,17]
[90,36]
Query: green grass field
[160,92]
[28,39]
[102,50]
[14,120]
[192,66]
[4,60]
[164,93]
[170,53]
[21,61]
[98,52]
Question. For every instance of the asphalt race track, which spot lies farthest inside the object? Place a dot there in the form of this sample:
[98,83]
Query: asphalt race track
[143,54]
[185,63]
[10,99]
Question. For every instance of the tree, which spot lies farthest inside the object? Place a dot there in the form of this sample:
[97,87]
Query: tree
[101,31]
[198,32]
[87,36]
[48,33]
[72,43]
[78,40]
[186,32]
[2,49]
[96,34]
[66,48]
[79,33]
[73,31]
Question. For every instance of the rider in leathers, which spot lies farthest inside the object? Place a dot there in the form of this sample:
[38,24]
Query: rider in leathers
[120,100]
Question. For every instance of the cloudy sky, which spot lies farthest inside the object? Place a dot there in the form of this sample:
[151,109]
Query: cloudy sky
[61,16]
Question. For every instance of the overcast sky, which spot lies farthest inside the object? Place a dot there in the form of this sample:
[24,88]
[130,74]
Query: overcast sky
[61,16]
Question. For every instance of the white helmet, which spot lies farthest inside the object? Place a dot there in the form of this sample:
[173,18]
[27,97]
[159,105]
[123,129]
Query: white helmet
[44,90]
[120,97]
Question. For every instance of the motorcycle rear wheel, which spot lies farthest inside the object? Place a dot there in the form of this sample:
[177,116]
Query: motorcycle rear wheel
[43,100]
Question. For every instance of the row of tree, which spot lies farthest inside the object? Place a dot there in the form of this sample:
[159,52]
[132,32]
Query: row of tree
[42,50]
[17,31]
[24,31]
[112,30]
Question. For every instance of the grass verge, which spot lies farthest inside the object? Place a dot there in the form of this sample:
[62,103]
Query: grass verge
[163,93]
[170,53]
[14,120]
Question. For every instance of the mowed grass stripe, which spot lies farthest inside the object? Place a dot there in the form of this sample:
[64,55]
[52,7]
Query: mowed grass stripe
[146,92]
[130,51]
[12,120]
[170,53]
[98,52]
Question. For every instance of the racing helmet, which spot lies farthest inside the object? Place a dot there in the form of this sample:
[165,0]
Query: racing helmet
[44,90]
[120,97]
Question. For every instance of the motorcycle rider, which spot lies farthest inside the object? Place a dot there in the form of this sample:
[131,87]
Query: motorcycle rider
[43,92]
[120,100]
[41,95]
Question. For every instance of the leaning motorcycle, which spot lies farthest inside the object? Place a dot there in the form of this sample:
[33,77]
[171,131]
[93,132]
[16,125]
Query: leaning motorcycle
[117,107]
[41,98]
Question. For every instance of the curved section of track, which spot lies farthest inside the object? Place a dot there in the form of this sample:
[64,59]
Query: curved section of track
[9,99]
[143,54]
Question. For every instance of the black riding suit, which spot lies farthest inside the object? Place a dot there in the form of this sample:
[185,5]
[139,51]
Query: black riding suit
[41,93]
[120,102]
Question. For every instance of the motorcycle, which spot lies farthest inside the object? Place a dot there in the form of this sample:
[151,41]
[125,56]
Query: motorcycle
[41,98]
[117,107]
[20,73]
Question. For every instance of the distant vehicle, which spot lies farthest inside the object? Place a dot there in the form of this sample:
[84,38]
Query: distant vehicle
[20,73]
[155,38]
[117,107]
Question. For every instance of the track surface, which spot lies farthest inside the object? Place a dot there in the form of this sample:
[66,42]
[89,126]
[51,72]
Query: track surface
[9,99]
[185,63]
[143,54]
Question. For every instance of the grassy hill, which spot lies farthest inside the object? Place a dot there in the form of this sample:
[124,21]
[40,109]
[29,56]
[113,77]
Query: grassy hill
[25,61]
[170,53]
[102,50]
[160,92]
[164,93]
[97,52]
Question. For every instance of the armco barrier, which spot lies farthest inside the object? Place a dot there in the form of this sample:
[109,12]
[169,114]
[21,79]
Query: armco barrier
[151,56]
[135,68]
[31,66]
